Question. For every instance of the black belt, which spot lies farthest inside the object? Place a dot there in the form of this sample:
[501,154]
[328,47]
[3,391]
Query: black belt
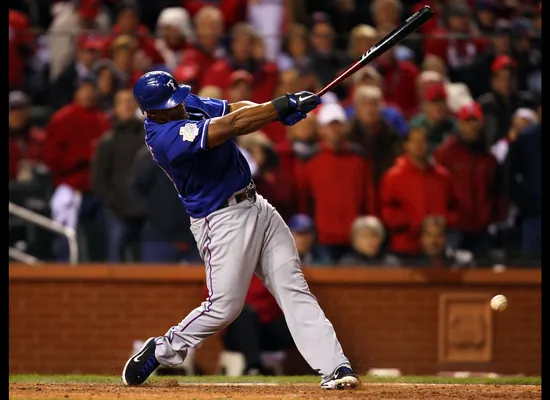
[249,193]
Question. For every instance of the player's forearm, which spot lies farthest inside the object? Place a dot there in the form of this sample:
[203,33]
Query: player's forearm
[241,122]
[240,104]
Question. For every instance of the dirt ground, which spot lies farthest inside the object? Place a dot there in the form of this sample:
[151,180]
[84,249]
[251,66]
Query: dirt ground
[173,390]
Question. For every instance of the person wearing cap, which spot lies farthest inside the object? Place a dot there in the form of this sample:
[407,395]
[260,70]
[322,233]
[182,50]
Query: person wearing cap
[174,35]
[89,51]
[303,230]
[436,118]
[399,78]
[265,75]
[416,186]
[503,99]
[73,19]
[368,237]
[240,86]
[20,48]
[334,184]
[25,141]
[476,179]
[71,136]
[122,51]
[381,143]
[108,81]
[522,119]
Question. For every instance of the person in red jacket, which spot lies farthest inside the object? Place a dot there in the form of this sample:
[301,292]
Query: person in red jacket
[260,327]
[476,180]
[265,73]
[413,188]
[71,136]
[128,23]
[25,141]
[208,22]
[399,79]
[334,184]
[234,11]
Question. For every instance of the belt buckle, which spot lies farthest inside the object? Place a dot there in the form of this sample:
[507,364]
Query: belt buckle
[250,192]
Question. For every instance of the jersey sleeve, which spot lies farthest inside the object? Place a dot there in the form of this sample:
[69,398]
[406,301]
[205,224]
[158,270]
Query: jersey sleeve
[185,139]
[214,107]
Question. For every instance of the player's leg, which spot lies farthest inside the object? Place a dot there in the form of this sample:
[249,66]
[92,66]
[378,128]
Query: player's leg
[228,241]
[312,332]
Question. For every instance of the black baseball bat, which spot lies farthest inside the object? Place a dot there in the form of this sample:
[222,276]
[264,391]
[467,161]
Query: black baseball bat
[412,23]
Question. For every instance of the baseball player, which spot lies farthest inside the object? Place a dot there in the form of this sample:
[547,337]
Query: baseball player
[238,233]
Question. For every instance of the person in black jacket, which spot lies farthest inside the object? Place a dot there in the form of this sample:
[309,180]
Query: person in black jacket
[166,237]
[64,87]
[111,164]
[367,239]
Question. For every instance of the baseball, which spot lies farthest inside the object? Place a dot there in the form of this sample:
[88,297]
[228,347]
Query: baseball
[499,303]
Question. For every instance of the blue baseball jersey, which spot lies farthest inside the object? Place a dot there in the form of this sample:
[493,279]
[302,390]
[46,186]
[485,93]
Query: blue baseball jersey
[203,177]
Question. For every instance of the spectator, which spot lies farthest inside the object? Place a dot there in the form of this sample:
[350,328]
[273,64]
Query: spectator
[525,185]
[111,165]
[399,79]
[288,83]
[338,198]
[243,38]
[361,39]
[486,12]
[25,141]
[476,179]
[458,93]
[368,76]
[326,60]
[123,53]
[268,176]
[303,230]
[127,23]
[436,118]
[210,91]
[435,252]
[528,55]
[73,19]
[499,104]
[367,240]
[208,22]
[234,11]
[240,86]
[108,83]
[522,119]
[458,43]
[386,14]
[499,45]
[165,237]
[295,48]
[413,188]
[260,327]
[267,18]
[21,48]
[87,54]
[71,136]
[381,143]
[174,35]
[187,74]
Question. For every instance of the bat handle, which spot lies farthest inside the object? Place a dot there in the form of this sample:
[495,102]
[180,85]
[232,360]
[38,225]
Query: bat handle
[323,91]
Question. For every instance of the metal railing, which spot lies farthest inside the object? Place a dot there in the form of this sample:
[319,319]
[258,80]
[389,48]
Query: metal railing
[46,223]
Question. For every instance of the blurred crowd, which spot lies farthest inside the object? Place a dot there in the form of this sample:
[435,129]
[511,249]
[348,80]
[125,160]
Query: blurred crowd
[430,155]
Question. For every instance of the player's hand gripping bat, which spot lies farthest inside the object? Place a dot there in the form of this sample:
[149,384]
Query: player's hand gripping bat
[412,23]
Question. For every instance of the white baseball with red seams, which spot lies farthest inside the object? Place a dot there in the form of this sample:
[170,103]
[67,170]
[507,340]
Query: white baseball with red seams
[499,303]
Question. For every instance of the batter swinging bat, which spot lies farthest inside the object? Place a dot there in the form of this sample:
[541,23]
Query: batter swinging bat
[412,23]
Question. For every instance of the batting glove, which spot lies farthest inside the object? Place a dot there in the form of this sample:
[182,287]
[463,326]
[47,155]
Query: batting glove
[293,118]
[290,103]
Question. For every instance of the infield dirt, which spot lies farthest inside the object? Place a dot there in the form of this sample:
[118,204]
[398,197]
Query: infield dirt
[170,390]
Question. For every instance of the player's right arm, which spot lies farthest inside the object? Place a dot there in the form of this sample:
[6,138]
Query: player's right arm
[287,109]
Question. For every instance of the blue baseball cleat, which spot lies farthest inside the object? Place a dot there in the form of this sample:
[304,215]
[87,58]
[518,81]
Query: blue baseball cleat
[344,378]
[141,365]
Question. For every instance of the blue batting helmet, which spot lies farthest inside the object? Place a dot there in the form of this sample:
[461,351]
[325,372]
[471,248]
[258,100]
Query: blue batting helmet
[158,90]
